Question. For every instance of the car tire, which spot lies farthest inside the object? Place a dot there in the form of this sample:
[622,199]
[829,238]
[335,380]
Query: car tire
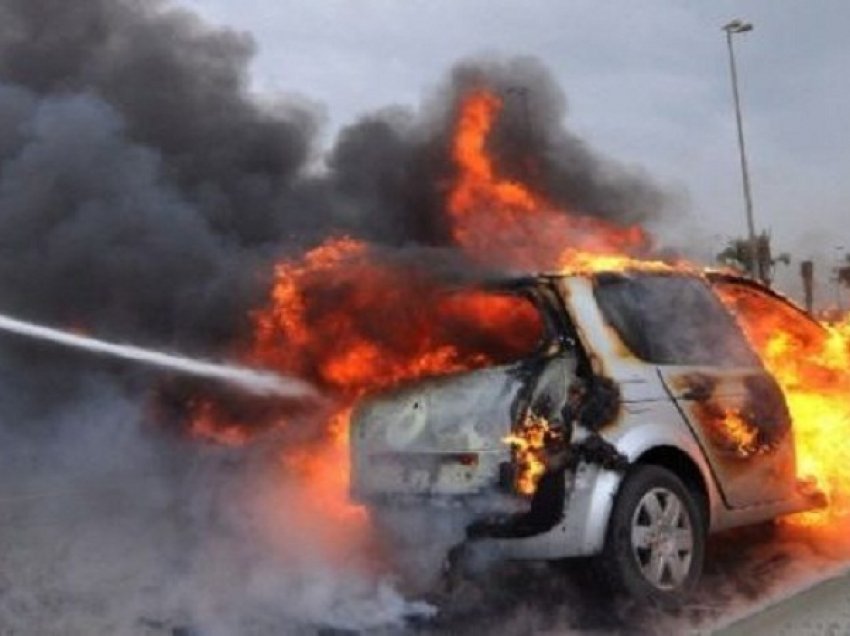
[655,544]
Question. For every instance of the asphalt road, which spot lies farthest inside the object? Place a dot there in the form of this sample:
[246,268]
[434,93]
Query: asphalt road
[823,610]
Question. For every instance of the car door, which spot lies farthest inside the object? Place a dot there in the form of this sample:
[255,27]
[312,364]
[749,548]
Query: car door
[735,409]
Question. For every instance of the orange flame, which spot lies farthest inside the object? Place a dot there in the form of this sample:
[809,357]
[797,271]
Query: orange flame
[352,325]
[495,217]
[817,389]
[812,366]
[529,446]
[740,432]
[342,318]
[208,424]
[477,185]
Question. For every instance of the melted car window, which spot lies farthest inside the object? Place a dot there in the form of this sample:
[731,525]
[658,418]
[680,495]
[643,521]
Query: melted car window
[491,328]
[763,315]
[673,320]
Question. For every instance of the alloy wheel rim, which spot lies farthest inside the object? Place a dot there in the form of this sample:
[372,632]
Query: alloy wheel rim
[662,539]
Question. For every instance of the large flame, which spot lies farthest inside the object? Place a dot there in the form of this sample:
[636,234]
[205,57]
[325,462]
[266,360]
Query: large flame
[495,217]
[352,322]
[811,362]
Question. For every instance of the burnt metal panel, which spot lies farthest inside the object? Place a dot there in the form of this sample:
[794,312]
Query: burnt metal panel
[743,425]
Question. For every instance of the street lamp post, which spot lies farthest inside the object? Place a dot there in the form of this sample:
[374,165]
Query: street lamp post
[737,26]
[840,251]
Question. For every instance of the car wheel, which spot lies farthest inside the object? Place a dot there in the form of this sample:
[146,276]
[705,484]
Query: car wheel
[655,543]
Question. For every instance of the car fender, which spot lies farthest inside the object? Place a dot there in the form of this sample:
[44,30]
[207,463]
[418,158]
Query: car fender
[590,499]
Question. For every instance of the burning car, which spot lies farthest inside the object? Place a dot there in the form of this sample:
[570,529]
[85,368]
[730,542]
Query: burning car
[637,420]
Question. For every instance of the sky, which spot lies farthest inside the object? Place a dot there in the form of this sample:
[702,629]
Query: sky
[647,84]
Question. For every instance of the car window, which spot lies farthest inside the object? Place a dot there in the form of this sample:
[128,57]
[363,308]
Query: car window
[492,327]
[763,315]
[672,320]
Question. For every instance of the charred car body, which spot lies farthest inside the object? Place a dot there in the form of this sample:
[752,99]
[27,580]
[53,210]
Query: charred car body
[642,422]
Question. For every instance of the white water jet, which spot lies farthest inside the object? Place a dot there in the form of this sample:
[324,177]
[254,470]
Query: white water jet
[251,380]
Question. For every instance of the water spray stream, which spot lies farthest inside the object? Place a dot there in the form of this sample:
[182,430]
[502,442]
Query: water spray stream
[251,380]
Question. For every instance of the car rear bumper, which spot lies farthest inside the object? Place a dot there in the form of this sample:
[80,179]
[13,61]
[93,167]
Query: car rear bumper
[438,474]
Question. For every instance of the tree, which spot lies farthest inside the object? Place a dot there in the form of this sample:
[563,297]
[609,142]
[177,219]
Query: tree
[738,254]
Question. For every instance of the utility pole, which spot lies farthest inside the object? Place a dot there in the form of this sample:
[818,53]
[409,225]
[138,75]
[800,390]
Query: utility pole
[807,271]
[838,279]
[737,26]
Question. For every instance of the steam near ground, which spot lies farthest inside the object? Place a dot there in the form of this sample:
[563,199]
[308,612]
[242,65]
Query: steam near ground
[107,527]
[145,196]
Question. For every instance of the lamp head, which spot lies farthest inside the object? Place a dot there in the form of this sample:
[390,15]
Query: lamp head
[738,26]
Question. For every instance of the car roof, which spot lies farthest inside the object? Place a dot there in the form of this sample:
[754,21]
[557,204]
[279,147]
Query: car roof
[519,281]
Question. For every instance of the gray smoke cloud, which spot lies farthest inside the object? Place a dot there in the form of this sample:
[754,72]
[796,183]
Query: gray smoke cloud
[144,196]
[391,169]
[144,189]
[112,528]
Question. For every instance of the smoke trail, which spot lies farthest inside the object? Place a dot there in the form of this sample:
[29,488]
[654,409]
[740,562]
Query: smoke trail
[258,382]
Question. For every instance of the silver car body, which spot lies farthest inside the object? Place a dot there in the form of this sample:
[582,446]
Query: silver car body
[443,438]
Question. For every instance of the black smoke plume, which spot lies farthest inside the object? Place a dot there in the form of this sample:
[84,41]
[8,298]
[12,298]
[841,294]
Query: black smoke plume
[145,194]
[144,190]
